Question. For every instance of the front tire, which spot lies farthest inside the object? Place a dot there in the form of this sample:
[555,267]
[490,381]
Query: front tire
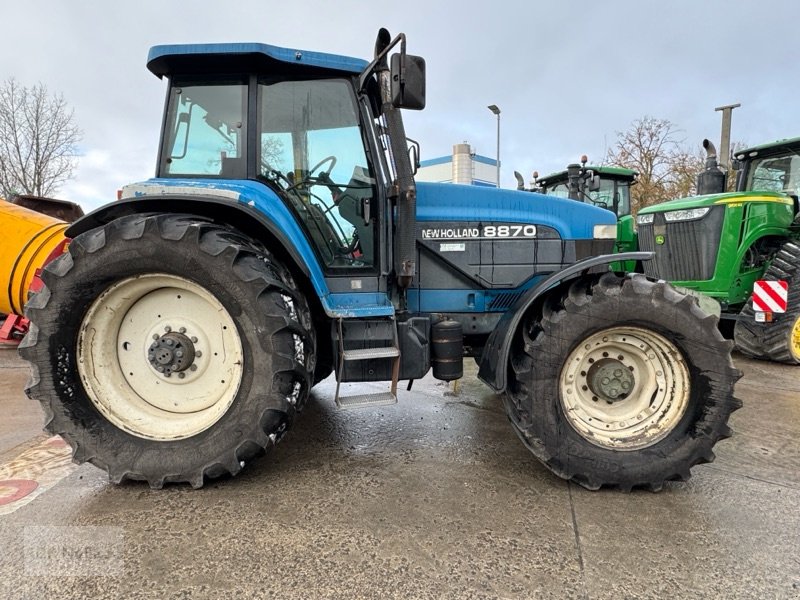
[621,382]
[168,348]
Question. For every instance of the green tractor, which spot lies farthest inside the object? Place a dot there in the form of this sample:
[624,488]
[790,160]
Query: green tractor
[606,187]
[724,245]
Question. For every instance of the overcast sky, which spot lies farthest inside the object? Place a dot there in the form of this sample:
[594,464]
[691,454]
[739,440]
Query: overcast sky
[565,77]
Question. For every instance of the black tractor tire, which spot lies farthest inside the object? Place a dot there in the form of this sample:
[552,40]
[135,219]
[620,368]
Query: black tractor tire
[274,341]
[778,341]
[583,314]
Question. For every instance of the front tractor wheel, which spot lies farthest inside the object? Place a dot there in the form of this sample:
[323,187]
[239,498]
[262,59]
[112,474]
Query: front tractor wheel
[167,348]
[621,382]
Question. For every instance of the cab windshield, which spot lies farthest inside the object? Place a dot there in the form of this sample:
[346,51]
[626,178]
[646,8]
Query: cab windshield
[775,174]
[613,195]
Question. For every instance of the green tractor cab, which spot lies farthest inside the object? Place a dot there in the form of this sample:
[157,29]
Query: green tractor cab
[720,244]
[606,187]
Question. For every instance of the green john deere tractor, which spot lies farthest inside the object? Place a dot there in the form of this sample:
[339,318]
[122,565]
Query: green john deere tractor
[720,244]
[606,187]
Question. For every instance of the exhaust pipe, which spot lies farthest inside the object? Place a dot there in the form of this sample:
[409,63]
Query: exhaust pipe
[712,180]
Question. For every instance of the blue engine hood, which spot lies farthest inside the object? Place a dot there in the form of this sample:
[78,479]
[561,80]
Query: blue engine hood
[452,202]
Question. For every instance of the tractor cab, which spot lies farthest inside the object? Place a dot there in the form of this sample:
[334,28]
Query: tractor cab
[293,124]
[606,187]
[771,167]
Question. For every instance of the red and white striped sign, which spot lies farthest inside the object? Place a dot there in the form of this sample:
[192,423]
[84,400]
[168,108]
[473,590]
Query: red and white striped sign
[770,296]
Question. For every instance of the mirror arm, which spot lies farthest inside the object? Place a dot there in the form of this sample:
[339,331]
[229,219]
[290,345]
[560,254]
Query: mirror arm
[380,61]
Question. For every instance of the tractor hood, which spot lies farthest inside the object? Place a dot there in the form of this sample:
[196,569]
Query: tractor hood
[453,203]
[713,199]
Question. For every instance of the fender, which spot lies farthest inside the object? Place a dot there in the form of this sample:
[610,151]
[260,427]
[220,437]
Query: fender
[494,360]
[244,217]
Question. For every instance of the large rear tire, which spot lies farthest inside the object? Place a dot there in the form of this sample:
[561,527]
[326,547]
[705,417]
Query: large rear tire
[621,382]
[168,348]
[778,341]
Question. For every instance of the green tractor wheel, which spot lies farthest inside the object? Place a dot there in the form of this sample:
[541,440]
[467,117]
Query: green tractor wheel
[778,341]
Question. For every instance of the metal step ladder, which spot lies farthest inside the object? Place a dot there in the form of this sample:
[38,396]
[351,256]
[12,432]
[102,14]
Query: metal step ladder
[373,399]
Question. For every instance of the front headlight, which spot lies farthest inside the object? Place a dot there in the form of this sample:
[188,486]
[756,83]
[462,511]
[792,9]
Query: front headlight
[604,232]
[685,215]
[644,219]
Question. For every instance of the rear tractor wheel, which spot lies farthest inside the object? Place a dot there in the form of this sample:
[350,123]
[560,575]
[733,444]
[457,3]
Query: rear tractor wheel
[168,348]
[621,382]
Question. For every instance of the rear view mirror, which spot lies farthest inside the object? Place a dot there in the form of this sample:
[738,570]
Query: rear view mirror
[594,182]
[408,81]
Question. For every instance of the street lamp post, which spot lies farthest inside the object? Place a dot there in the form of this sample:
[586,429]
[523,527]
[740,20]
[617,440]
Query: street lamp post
[496,111]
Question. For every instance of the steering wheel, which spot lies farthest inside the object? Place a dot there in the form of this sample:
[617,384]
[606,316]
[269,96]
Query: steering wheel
[331,159]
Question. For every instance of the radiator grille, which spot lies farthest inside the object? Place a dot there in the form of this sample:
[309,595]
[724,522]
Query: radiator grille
[689,251]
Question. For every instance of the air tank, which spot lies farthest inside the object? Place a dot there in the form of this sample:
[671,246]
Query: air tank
[447,348]
[27,239]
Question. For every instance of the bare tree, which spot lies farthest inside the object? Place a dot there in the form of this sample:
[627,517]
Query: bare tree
[666,168]
[38,140]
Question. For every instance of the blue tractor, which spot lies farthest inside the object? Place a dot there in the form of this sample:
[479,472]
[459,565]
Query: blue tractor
[284,238]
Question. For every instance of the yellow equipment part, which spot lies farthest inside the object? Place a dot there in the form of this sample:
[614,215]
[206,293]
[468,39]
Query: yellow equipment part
[27,238]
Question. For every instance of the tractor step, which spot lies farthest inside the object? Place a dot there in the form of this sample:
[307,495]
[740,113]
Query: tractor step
[365,400]
[365,354]
[370,353]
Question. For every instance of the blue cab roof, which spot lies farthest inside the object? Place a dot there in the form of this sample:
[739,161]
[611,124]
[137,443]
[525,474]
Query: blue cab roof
[250,56]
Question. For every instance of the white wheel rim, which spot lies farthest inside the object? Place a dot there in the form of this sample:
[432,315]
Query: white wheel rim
[624,388]
[121,377]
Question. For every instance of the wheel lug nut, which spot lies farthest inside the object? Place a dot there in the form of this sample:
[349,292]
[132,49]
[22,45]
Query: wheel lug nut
[198,354]
[181,374]
[155,336]
[193,368]
[182,330]
[179,353]
[167,374]
[194,340]
[160,369]
[167,328]
[169,342]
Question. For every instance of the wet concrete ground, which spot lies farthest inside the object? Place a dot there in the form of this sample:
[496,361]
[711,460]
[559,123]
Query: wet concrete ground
[432,498]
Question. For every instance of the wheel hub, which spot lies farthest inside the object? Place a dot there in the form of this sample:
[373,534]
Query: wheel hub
[610,379]
[173,352]
[624,388]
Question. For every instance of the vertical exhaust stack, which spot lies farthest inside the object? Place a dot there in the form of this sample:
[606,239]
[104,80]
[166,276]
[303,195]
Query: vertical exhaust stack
[574,181]
[712,180]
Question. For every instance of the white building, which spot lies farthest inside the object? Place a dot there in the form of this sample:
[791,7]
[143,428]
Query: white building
[463,167]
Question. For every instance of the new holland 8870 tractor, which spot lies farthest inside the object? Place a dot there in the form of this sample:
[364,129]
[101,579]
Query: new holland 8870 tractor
[284,238]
